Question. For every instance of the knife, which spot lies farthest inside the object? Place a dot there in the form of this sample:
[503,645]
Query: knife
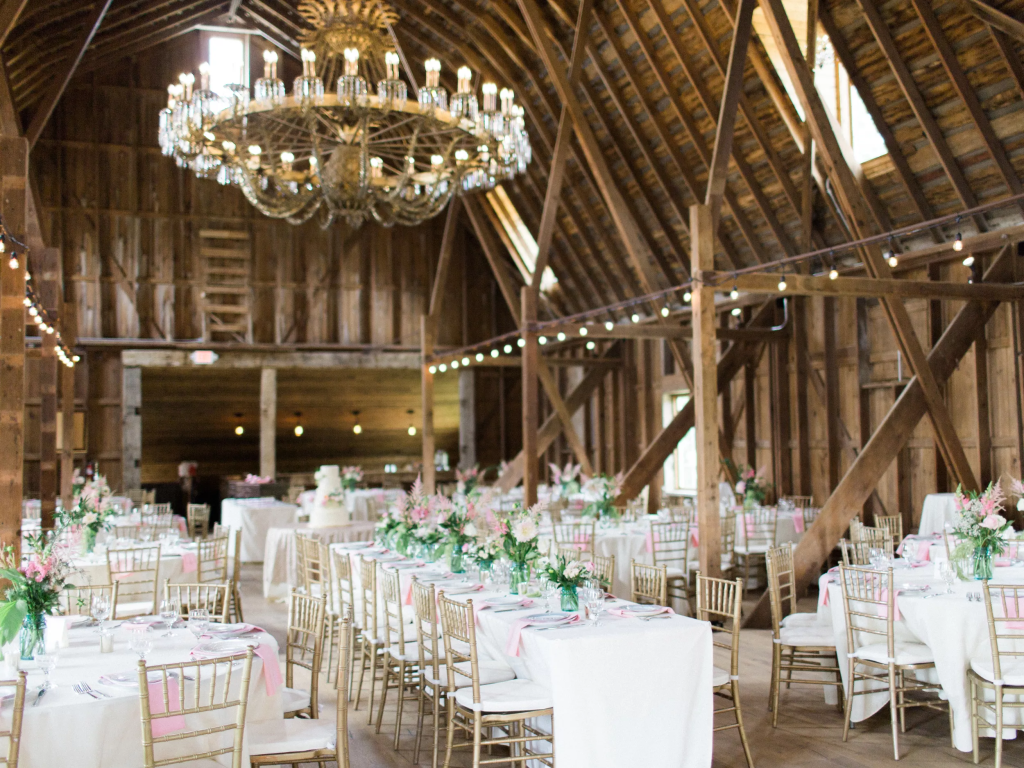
[39,696]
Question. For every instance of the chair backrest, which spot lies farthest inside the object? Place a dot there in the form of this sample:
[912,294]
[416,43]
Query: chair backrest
[579,534]
[303,546]
[781,583]
[1004,624]
[137,496]
[198,686]
[236,559]
[670,544]
[859,552]
[219,529]
[390,584]
[556,508]
[137,572]
[77,600]
[212,556]
[424,603]
[198,518]
[892,525]
[648,583]
[728,533]
[368,596]
[868,599]
[342,585]
[720,602]
[855,528]
[459,632]
[681,513]
[759,527]
[13,734]
[303,647]
[191,597]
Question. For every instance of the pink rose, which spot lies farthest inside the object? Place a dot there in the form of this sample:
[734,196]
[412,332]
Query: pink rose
[993,522]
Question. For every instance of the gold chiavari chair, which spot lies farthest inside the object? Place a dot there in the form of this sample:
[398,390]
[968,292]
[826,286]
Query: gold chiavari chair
[312,569]
[137,573]
[235,599]
[13,734]
[720,602]
[198,518]
[759,528]
[212,557]
[192,597]
[728,538]
[158,515]
[670,546]
[293,741]
[77,600]
[195,687]
[810,514]
[219,529]
[302,544]
[303,650]
[859,552]
[401,657]
[137,496]
[648,584]
[343,589]
[800,643]
[798,502]
[319,582]
[893,527]
[855,528]
[874,654]
[370,641]
[999,675]
[579,534]
[556,508]
[474,707]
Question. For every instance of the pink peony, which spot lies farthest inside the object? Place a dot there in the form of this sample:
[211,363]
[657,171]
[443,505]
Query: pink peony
[993,522]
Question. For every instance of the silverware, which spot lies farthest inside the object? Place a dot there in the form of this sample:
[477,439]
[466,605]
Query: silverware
[506,610]
[85,689]
[573,625]
[39,696]
[89,689]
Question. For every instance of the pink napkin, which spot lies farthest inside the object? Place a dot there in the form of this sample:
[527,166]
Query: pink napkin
[189,562]
[164,725]
[624,614]
[924,550]
[648,542]
[823,589]
[798,521]
[512,646]
[271,665]
[182,527]
[883,610]
[694,536]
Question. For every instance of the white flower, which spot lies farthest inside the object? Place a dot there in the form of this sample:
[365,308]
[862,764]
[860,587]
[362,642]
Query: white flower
[994,522]
[90,518]
[470,529]
[1020,504]
[524,529]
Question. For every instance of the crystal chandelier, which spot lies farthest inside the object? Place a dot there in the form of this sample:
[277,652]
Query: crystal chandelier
[349,153]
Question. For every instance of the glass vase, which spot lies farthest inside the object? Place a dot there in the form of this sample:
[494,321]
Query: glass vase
[519,573]
[457,559]
[32,637]
[570,599]
[88,540]
[983,563]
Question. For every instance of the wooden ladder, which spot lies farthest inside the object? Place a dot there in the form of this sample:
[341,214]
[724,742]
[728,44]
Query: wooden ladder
[227,295]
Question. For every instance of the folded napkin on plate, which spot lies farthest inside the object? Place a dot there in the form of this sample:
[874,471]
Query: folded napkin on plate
[477,607]
[189,562]
[267,654]
[144,622]
[512,646]
[624,614]
[212,628]
[162,726]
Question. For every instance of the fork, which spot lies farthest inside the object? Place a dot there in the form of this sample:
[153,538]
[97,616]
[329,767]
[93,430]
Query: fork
[88,689]
[83,688]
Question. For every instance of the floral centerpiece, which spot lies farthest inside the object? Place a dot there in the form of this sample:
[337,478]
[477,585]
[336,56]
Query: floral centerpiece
[486,553]
[350,477]
[569,575]
[607,489]
[35,589]
[91,510]
[752,486]
[252,479]
[519,530]
[980,528]
[565,479]
[468,480]
[457,522]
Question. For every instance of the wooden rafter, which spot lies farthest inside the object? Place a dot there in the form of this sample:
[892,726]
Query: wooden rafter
[806,285]
[997,19]
[489,241]
[10,11]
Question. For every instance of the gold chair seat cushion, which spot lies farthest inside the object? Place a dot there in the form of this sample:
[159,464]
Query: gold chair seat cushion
[510,696]
[490,672]
[905,653]
[294,699]
[275,737]
[802,620]
[1012,674]
[720,677]
[809,635]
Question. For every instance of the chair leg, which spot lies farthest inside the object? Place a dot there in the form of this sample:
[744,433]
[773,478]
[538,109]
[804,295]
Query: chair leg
[362,669]
[974,720]
[419,725]
[401,701]
[383,693]
[789,670]
[351,660]
[450,736]
[999,727]
[476,740]
[893,710]
[776,682]
[849,702]
[330,626]
[237,596]
[739,722]
[437,722]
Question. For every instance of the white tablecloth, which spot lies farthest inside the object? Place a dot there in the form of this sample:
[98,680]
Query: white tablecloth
[954,629]
[70,729]
[280,565]
[92,569]
[937,510]
[255,517]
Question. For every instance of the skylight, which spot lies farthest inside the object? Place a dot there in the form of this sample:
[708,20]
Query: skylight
[228,59]
[517,234]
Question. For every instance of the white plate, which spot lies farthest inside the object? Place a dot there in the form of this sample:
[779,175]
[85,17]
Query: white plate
[556,617]
[131,679]
[504,600]
[914,588]
[225,647]
[403,566]
[643,610]
[354,544]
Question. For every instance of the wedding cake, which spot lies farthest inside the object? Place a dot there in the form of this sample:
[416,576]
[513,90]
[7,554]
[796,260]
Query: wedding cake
[329,506]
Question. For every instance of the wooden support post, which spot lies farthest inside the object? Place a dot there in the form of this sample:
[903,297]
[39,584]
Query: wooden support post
[828,320]
[268,422]
[467,418]
[568,430]
[803,424]
[131,426]
[69,328]
[782,455]
[705,390]
[531,363]
[47,267]
[14,207]
[863,392]
[427,404]
[935,327]
[749,415]
[984,423]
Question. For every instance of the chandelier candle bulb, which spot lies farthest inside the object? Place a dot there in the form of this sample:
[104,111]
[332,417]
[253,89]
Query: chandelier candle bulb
[187,80]
[508,97]
[351,62]
[204,76]
[270,65]
[465,79]
[391,62]
[433,68]
[376,168]
[490,91]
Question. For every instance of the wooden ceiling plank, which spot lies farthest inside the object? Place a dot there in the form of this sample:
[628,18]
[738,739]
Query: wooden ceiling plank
[1010,58]
[10,11]
[258,14]
[49,102]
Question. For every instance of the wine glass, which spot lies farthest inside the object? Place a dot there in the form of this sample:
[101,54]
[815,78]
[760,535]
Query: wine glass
[169,614]
[47,662]
[948,574]
[593,599]
[198,621]
[141,642]
[877,558]
[99,608]
[552,596]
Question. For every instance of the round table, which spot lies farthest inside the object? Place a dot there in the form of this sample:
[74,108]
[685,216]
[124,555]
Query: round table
[255,517]
[92,569]
[280,563]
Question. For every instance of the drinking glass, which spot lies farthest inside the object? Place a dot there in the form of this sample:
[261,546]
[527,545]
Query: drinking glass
[877,558]
[593,599]
[552,596]
[99,608]
[141,642]
[948,574]
[198,621]
[47,663]
[169,613]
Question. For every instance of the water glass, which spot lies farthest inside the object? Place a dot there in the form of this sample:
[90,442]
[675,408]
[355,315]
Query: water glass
[552,596]
[593,599]
[99,608]
[169,614]
[198,621]
[877,558]
[47,663]
[948,574]
[141,642]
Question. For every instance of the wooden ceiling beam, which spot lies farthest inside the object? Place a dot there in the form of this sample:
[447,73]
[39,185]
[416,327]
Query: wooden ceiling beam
[489,244]
[564,416]
[1010,58]
[807,285]
[929,125]
[997,19]
[257,11]
[10,12]
[60,82]
[579,215]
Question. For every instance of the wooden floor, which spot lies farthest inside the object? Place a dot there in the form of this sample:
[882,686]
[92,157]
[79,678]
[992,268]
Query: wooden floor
[810,734]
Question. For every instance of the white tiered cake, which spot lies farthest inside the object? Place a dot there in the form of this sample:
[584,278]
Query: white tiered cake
[329,506]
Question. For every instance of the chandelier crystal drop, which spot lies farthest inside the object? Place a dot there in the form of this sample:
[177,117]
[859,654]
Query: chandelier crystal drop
[347,153]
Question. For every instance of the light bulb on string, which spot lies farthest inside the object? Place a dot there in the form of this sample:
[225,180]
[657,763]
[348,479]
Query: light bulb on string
[494,353]
[734,293]
[455,365]
[635,317]
[357,428]
[542,340]
[442,367]
[969,261]
[13,262]
[239,429]
[432,369]
[412,427]
[507,349]
[958,244]
[609,325]
[782,282]
[833,273]
[736,311]
[591,345]
[465,361]
[687,296]
[584,331]
[561,336]
[665,311]
[479,357]
[520,343]
[299,429]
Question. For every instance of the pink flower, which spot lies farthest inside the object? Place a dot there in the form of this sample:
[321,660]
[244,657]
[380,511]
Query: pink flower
[747,474]
[993,522]
[741,487]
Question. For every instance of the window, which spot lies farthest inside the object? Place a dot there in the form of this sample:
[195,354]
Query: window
[518,238]
[681,467]
[228,57]
[830,78]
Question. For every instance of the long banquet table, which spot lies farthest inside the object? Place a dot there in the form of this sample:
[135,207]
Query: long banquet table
[71,729]
[628,692]
[255,517]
